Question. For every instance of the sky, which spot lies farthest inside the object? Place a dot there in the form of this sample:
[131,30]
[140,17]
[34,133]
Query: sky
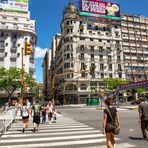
[48,15]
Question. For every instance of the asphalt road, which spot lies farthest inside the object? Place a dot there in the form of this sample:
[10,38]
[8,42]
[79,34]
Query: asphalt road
[130,129]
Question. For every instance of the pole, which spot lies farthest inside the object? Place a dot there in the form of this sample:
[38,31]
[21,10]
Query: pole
[22,96]
[53,90]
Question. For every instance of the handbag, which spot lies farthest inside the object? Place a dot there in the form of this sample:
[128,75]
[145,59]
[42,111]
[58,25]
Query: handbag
[112,127]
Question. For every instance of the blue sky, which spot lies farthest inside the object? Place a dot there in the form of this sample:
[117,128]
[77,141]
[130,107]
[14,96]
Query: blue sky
[48,15]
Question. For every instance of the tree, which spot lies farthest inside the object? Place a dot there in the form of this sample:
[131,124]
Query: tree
[32,84]
[10,80]
[113,83]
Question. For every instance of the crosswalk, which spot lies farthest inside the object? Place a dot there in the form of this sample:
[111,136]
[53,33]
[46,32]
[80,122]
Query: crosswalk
[65,133]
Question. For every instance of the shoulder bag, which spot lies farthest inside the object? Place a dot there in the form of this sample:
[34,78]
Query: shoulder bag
[112,127]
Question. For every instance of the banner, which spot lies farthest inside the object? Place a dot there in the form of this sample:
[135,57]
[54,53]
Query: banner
[14,5]
[97,8]
[139,84]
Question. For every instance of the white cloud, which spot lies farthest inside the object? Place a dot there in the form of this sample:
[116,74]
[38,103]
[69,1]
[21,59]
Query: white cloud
[39,52]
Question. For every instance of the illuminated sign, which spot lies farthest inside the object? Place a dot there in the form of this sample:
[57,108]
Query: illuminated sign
[14,5]
[100,9]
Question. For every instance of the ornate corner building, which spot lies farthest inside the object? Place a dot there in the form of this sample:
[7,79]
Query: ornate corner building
[91,49]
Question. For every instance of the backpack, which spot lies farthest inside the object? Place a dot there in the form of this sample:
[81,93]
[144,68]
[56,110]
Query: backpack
[25,111]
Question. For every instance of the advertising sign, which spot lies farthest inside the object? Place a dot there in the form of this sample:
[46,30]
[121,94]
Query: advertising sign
[139,84]
[100,9]
[14,5]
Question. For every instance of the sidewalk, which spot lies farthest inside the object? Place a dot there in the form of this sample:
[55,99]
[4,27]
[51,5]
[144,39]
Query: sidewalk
[128,107]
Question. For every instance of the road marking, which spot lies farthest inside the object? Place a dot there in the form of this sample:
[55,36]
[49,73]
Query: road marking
[52,134]
[122,145]
[54,130]
[51,138]
[52,144]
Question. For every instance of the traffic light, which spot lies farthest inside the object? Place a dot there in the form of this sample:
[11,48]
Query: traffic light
[27,48]
[25,87]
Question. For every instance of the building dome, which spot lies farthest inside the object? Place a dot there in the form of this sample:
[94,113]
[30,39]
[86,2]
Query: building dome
[71,7]
[71,11]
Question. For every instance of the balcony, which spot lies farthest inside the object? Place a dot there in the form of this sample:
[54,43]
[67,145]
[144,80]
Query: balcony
[2,55]
[13,56]
[2,48]
[17,28]
[81,57]
[13,49]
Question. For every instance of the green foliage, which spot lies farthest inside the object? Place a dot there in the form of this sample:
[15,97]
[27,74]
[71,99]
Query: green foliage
[136,90]
[112,83]
[10,80]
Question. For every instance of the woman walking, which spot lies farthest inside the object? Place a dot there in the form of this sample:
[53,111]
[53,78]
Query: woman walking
[25,116]
[110,117]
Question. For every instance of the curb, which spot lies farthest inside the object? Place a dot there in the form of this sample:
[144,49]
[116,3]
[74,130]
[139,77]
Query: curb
[128,108]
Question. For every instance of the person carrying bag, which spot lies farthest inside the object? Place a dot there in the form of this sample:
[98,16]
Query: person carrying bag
[111,124]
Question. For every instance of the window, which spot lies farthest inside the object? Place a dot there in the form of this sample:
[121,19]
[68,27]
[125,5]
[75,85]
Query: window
[120,75]
[82,38]
[102,75]
[110,67]
[83,66]
[14,45]
[4,18]
[2,34]
[101,66]
[91,48]
[16,19]
[110,75]
[83,87]
[14,35]
[1,43]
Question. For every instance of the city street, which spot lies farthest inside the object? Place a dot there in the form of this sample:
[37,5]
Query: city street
[130,130]
[76,127]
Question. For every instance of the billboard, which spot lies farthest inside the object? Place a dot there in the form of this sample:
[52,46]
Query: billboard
[139,84]
[14,5]
[99,9]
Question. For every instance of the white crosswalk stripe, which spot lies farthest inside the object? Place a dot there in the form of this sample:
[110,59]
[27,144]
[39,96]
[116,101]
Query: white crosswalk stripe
[65,132]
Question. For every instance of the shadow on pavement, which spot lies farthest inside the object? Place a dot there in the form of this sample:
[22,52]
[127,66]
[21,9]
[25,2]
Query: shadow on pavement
[135,138]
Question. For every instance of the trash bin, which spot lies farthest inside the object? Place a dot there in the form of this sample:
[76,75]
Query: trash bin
[93,101]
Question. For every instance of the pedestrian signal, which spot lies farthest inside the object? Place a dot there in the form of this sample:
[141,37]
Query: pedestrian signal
[27,48]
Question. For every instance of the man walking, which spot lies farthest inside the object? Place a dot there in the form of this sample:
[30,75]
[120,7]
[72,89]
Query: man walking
[36,117]
[143,117]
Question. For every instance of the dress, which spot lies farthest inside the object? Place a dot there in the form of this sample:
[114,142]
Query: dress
[113,112]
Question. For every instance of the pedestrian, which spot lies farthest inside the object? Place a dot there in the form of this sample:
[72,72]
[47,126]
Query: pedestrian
[50,111]
[28,103]
[143,117]
[36,115]
[54,115]
[25,116]
[44,108]
[110,117]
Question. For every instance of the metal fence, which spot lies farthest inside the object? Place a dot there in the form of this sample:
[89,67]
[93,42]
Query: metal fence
[7,119]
